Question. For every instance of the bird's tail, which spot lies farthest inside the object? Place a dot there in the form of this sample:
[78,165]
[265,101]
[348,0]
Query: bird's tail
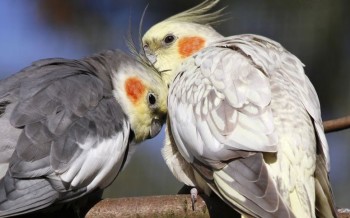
[246,185]
[19,196]
[325,206]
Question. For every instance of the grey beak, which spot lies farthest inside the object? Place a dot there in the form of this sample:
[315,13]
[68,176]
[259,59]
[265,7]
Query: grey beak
[150,56]
[156,126]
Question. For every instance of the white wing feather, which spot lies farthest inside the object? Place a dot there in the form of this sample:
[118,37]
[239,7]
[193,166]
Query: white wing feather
[238,98]
[226,107]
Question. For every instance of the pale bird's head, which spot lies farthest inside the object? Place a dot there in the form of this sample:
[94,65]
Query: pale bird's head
[170,42]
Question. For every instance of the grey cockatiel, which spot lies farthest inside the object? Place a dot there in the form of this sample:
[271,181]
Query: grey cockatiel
[244,119]
[67,127]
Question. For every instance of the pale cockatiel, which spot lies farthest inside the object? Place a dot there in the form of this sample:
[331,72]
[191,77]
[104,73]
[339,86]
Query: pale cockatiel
[244,119]
[67,127]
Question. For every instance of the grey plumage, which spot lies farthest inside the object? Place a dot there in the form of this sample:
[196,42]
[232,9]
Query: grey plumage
[3,107]
[66,116]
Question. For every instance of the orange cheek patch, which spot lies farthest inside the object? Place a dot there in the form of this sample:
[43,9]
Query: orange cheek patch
[190,45]
[134,89]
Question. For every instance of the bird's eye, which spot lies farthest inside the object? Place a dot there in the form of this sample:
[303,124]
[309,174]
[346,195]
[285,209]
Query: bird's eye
[169,39]
[152,99]
[145,46]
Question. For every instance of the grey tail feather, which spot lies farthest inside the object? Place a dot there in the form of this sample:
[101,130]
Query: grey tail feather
[21,196]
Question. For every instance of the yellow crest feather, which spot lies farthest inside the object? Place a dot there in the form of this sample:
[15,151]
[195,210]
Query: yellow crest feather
[199,14]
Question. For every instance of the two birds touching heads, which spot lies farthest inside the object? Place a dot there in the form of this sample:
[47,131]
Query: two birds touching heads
[243,122]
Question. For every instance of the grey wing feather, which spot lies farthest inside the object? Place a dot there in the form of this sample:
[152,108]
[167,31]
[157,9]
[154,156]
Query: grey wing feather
[8,134]
[9,96]
[16,196]
[60,104]
[9,85]
[45,117]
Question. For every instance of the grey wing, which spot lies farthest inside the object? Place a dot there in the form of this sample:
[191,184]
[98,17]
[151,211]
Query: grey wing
[70,127]
[8,134]
[9,95]
[9,86]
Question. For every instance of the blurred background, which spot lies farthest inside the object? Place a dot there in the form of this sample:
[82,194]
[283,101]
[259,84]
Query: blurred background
[317,31]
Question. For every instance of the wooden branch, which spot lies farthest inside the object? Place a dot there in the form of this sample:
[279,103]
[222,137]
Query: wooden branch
[161,206]
[336,124]
[174,206]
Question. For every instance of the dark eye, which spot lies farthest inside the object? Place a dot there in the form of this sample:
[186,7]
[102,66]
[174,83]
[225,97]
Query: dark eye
[151,99]
[169,39]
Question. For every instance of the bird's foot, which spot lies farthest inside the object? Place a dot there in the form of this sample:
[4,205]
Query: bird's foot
[194,194]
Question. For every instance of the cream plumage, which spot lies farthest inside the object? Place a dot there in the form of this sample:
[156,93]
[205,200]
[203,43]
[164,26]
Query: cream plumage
[244,119]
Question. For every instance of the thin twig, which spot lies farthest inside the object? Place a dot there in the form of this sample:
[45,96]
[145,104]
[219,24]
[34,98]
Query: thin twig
[336,124]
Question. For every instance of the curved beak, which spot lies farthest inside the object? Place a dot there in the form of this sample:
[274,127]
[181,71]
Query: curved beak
[156,126]
[150,55]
